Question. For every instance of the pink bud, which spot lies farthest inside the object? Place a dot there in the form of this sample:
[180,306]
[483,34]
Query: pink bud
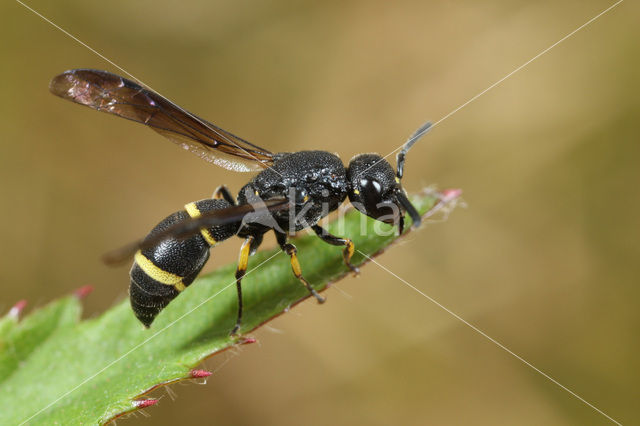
[83,291]
[450,194]
[199,374]
[142,403]
[17,309]
[247,340]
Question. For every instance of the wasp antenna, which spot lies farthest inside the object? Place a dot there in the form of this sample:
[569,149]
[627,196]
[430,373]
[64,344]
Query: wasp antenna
[400,158]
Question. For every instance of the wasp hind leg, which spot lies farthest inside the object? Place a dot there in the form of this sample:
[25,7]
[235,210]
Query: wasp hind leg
[223,192]
[349,248]
[291,250]
[249,247]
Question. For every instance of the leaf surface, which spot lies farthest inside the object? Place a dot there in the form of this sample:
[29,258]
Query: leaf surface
[56,369]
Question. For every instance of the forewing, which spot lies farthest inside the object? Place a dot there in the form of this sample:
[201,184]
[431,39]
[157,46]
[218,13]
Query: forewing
[110,93]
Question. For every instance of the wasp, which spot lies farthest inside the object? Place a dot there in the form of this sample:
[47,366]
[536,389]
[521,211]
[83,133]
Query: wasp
[293,191]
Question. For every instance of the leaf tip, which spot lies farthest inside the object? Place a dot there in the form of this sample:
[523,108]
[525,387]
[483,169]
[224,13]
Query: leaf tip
[83,291]
[143,403]
[199,374]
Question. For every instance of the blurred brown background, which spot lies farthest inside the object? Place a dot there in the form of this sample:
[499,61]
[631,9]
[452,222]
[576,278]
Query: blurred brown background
[544,259]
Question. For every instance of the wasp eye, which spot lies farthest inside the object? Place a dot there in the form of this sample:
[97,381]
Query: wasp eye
[370,188]
[370,194]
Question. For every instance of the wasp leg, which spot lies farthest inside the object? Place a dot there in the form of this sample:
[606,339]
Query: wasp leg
[223,192]
[243,261]
[349,248]
[291,250]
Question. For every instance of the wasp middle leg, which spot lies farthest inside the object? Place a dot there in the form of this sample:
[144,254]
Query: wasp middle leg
[292,251]
[349,248]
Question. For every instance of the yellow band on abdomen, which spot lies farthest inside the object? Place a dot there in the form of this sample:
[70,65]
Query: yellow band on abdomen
[155,272]
[193,211]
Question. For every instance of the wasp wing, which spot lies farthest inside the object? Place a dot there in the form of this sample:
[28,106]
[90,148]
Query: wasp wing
[110,93]
[192,226]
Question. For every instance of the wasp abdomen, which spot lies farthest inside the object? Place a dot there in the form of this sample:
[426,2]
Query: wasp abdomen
[161,273]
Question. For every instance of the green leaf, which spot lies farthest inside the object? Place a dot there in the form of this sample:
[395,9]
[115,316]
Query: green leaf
[56,369]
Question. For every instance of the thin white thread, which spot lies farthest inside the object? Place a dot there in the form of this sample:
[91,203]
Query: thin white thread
[144,342]
[405,282]
[506,76]
[491,339]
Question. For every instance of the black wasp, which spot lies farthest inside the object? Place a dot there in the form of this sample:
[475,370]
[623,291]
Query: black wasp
[293,191]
